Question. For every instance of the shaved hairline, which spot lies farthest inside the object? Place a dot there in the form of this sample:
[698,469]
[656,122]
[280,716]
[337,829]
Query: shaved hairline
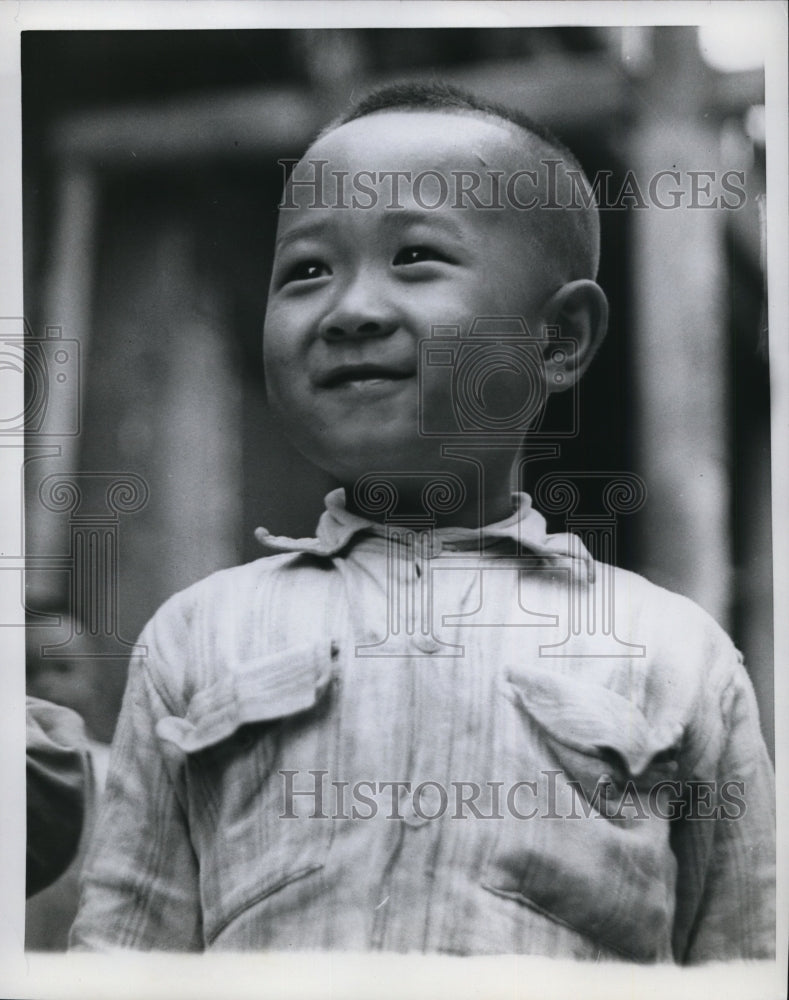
[571,233]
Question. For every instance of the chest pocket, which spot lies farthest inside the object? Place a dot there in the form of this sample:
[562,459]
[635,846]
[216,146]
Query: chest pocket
[602,867]
[253,833]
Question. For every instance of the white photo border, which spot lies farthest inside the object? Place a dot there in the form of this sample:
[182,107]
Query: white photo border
[346,975]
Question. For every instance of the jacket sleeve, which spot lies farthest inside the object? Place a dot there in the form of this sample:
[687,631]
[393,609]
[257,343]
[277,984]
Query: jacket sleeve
[725,843]
[58,782]
[140,881]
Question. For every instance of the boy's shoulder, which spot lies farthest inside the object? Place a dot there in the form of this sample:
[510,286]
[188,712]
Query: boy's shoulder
[651,595]
[213,591]
[667,622]
[282,598]
[231,619]
[664,616]
[683,644]
[238,579]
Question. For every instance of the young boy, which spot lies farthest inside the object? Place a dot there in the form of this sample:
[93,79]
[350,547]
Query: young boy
[396,735]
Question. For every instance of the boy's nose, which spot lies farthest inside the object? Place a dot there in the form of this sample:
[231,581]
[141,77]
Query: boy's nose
[358,312]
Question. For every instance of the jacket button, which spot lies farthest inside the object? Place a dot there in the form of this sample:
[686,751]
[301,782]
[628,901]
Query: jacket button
[426,643]
[434,547]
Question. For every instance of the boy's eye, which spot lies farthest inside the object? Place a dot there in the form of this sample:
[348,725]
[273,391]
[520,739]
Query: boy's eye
[417,254]
[306,270]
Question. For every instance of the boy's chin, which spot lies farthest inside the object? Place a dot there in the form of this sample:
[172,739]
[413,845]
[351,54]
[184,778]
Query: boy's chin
[356,463]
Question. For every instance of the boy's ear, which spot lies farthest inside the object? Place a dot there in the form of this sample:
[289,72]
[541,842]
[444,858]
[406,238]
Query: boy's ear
[580,310]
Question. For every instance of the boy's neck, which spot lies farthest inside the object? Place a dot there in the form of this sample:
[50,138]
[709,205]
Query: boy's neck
[410,505]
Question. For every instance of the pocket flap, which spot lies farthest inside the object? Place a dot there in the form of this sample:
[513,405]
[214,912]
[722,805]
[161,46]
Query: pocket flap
[261,690]
[590,718]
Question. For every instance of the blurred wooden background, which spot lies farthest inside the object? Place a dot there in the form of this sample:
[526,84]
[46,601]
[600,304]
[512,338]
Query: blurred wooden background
[150,193]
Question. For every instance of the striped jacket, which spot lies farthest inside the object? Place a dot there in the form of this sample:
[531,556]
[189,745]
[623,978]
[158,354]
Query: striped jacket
[457,741]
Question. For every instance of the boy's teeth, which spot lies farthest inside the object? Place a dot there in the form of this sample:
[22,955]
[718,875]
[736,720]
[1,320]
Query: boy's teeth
[368,380]
[364,377]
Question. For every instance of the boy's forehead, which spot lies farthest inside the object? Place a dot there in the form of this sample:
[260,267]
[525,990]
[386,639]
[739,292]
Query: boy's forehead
[441,140]
[416,144]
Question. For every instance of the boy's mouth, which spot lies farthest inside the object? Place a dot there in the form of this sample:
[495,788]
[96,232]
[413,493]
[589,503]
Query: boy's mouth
[360,376]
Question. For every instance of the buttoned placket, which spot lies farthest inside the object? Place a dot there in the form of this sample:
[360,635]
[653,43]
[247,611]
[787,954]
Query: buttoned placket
[408,557]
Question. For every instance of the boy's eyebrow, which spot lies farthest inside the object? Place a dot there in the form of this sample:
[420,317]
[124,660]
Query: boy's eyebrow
[299,231]
[397,219]
[401,218]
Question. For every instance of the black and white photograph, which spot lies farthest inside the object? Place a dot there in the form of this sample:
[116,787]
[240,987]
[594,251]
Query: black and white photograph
[394,438]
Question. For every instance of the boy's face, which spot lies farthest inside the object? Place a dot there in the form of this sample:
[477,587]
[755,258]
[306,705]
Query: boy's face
[355,290]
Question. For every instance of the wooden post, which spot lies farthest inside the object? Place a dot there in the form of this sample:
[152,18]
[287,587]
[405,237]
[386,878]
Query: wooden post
[681,336]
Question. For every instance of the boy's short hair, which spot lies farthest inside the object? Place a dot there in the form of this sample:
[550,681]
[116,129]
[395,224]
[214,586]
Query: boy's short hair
[577,238]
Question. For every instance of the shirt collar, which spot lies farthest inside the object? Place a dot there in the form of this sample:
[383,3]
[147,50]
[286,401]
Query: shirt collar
[338,526]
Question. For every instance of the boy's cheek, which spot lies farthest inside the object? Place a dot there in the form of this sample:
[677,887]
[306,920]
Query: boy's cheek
[284,383]
[435,399]
[282,348]
[281,395]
